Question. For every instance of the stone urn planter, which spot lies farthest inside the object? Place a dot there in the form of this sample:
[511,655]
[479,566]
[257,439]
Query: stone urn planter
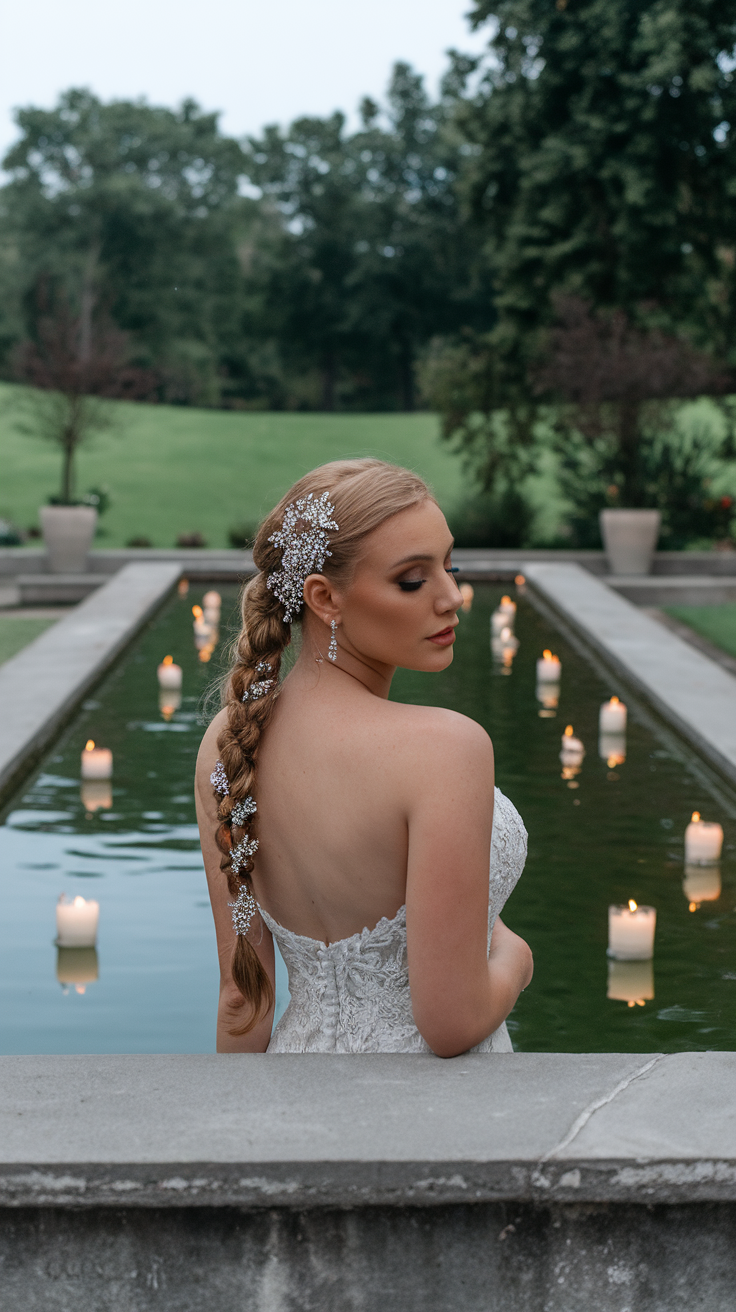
[68,532]
[629,538]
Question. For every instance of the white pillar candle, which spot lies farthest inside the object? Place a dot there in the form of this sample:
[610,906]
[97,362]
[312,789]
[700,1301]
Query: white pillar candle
[612,717]
[631,982]
[703,841]
[77,966]
[549,668]
[701,884]
[76,922]
[631,932]
[202,626]
[612,748]
[467,592]
[508,608]
[169,673]
[572,751]
[499,621]
[183,587]
[96,762]
[212,600]
[96,794]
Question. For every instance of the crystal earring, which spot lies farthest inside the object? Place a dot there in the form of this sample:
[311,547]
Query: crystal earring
[332,649]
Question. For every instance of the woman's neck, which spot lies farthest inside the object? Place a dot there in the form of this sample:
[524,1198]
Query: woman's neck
[350,667]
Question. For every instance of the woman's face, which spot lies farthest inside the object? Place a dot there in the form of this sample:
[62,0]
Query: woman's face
[401,606]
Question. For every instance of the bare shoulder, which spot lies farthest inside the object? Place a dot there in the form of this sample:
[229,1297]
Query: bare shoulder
[432,734]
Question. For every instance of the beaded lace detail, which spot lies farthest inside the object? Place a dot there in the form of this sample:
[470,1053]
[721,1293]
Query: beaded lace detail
[353,995]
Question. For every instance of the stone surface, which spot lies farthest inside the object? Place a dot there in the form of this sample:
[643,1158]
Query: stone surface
[325,1130]
[695,694]
[676,589]
[42,685]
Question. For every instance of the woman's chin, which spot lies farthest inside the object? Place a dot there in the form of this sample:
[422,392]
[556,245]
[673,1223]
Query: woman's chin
[431,662]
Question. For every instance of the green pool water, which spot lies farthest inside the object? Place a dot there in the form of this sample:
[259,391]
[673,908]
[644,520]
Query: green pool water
[151,986]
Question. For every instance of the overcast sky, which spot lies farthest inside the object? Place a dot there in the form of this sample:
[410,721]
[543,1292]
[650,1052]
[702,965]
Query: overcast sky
[259,61]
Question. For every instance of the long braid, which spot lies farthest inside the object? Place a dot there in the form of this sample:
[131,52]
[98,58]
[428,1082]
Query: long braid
[250,696]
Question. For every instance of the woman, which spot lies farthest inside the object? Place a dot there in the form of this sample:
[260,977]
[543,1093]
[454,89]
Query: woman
[373,819]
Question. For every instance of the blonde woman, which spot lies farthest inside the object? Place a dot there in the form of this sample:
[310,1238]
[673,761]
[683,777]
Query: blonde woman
[353,830]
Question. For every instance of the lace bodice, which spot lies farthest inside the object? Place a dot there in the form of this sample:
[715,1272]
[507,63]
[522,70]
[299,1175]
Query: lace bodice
[353,995]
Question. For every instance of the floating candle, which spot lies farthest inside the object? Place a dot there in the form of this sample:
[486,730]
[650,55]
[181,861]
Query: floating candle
[467,592]
[77,966]
[703,841]
[202,626]
[702,883]
[508,607]
[612,749]
[631,982]
[499,621]
[183,587]
[631,932]
[96,795]
[572,751]
[76,922]
[612,717]
[212,602]
[549,668]
[519,580]
[96,762]
[169,674]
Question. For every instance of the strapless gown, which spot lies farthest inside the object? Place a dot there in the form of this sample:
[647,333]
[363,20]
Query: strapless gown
[353,995]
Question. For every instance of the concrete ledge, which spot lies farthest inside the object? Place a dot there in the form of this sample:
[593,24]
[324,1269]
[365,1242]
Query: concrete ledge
[43,684]
[329,1131]
[675,589]
[39,589]
[692,692]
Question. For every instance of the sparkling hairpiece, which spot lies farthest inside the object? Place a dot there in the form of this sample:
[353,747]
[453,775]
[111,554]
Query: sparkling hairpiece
[303,551]
[241,854]
[242,811]
[218,779]
[243,910]
[257,690]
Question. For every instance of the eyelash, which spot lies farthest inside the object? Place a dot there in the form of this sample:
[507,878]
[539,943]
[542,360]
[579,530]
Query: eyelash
[413,585]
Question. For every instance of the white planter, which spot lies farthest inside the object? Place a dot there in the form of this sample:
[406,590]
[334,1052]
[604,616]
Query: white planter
[629,538]
[68,533]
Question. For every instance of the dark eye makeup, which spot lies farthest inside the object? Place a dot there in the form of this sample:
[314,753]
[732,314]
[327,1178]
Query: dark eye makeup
[413,585]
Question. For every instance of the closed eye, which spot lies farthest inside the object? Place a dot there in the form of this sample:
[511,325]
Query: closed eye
[411,585]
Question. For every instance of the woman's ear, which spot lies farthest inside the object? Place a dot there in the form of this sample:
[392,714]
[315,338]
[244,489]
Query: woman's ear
[320,597]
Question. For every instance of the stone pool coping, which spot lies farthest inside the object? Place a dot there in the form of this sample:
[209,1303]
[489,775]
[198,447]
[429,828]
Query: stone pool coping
[687,688]
[42,685]
[316,1130]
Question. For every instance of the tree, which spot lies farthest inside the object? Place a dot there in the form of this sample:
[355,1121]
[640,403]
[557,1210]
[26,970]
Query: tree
[72,364]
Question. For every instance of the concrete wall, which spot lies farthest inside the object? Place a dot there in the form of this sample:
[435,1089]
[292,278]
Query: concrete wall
[515,1183]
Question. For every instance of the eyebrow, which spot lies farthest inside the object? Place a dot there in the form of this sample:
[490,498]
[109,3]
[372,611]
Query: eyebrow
[409,560]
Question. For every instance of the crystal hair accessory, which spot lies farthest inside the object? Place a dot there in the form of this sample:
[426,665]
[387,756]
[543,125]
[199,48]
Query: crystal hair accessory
[218,779]
[257,690]
[303,550]
[243,910]
[241,854]
[242,811]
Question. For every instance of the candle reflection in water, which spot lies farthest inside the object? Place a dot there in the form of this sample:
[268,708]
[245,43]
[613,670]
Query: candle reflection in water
[467,592]
[169,701]
[96,795]
[78,967]
[612,749]
[504,646]
[631,982]
[572,753]
[701,884]
[549,695]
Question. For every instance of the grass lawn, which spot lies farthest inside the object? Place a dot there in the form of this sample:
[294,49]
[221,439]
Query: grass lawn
[173,470]
[17,633]
[716,623]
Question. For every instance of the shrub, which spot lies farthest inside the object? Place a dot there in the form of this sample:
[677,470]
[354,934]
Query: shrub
[492,519]
[191,540]
[242,535]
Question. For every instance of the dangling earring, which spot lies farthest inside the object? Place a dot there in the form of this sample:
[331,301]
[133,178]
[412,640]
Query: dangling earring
[332,649]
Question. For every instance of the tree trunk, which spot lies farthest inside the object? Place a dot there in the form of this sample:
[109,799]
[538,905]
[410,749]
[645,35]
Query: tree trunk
[329,379]
[87,304]
[629,433]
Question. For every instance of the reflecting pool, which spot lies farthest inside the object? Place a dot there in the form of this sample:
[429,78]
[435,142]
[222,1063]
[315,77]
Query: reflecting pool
[601,830]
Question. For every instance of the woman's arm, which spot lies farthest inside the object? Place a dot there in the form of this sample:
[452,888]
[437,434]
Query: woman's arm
[460,992]
[231,1012]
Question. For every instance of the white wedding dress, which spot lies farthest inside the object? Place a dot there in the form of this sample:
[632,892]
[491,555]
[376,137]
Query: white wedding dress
[353,995]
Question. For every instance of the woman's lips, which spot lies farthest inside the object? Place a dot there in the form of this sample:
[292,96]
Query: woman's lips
[444,638]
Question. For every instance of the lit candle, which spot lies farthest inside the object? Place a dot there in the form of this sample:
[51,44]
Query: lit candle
[76,922]
[212,602]
[703,841]
[467,592]
[183,587]
[572,751]
[96,795]
[612,717]
[701,884]
[631,932]
[77,966]
[499,621]
[169,673]
[631,982]
[504,646]
[96,762]
[549,668]
[508,607]
[202,626]
[612,749]
[519,580]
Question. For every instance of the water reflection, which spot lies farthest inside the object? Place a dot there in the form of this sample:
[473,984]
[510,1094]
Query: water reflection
[96,795]
[701,884]
[77,967]
[631,982]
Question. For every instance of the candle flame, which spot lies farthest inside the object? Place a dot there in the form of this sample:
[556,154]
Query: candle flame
[519,580]
[168,660]
[90,747]
[546,655]
[614,701]
[568,731]
[632,906]
[695,818]
[79,902]
[197,612]
[505,601]
[693,906]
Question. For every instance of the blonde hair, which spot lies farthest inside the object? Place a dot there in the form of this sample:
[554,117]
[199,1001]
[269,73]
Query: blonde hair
[365,493]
